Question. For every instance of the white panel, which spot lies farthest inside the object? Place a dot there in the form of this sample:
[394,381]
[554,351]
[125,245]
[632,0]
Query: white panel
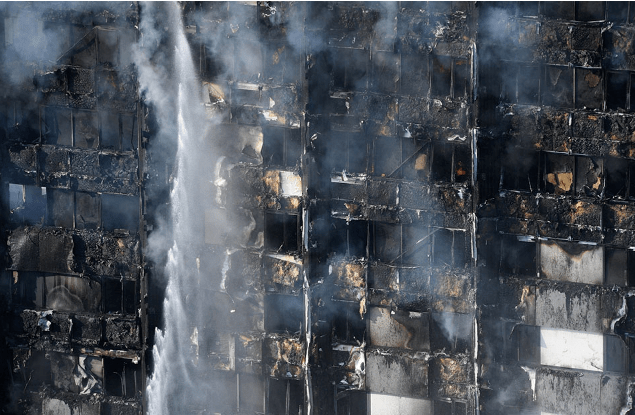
[397,405]
[585,266]
[291,183]
[571,349]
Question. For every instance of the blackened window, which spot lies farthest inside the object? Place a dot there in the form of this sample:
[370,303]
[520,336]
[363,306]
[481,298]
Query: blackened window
[588,91]
[283,313]
[86,129]
[588,178]
[449,248]
[281,232]
[348,237]
[417,242]
[87,210]
[441,76]
[108,47]
[527,339]
[56,126]
[351,402]
[27,204]
[558,10]
[615,177]
[415,79]
[387,156]
[558,86]
[615,354]
[122,377]
[589,10]
[120,212]
[251,391]
[558,173]
[520,169]
[117,131]
[386,241]
[350,69]
[616,266]
[617,90]
[385,67]
[442,162]
[617,11]
[248,63]
[281,146]
[518,256]
[348,326]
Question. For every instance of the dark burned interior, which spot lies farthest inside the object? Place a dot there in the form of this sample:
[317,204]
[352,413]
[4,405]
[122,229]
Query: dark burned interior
[441,198]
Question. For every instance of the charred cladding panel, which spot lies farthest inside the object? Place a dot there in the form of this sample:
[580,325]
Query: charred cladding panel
[325,208]
[553,193]
[71,211]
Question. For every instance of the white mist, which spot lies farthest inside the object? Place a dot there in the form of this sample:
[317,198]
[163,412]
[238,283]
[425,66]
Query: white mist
[175,385]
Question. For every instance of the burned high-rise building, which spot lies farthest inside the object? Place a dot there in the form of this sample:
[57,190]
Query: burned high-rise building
[317,208]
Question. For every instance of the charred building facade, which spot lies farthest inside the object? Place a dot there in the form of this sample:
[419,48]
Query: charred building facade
[397,208]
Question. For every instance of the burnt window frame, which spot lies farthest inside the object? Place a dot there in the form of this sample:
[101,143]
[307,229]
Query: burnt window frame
[350,401]
[354,142]
[248,381]
[50,218]
[21,122]
[122,144]
[577,75]
[456,262]
[455,89]
[287,238]
[516,173]
[615,362]
[422,80]
[289,385]
[454,147]
[578,11]
[124,120]
[348,320]
[76,121]
[129,371]
[510,91]
[630,9]
[574,161]
[275,306]
[128,290]
[127,287]
[410,148]
[450,407]
[381,69]
[547,97]
[18,215]
[348,239]
[379,155]
[100,34]
[625,193]
[429,242]
[517,268]
[240,71]
[625,265]
[627,98]
[550,13]
[289,137]
[630,90]
[526,344]
[347,65]
[63,280]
